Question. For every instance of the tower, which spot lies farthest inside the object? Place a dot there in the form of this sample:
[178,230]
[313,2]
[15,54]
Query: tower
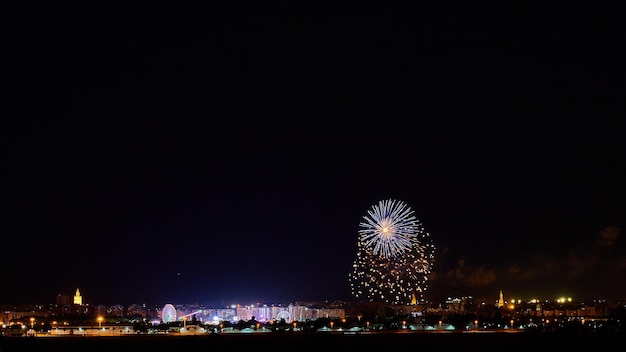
[77,298]
[501,300]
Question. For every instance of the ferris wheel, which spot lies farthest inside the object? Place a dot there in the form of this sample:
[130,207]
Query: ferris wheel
[168,314]
[283,314]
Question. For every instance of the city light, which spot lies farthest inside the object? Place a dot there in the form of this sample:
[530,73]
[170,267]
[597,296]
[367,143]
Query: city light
[521,316]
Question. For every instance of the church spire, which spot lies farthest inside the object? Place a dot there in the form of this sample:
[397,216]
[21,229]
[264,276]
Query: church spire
[501,300]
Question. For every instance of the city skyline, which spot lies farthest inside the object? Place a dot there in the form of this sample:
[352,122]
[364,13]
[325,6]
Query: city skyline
[233,157]
[64,301]
[63,298]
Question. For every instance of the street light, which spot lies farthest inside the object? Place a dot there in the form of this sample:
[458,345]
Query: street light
[99,323]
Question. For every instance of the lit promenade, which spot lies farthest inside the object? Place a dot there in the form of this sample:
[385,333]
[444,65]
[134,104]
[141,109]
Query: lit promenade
[225,342]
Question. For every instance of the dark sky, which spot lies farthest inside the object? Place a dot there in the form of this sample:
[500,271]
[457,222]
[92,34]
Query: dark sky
[228,155]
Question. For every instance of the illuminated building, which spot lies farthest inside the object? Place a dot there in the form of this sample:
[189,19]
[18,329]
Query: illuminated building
[78,299]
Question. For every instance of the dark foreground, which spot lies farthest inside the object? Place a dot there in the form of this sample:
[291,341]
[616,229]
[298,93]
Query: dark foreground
[451,341]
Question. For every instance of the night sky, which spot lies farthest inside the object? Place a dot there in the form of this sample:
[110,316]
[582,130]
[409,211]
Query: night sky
[228,155]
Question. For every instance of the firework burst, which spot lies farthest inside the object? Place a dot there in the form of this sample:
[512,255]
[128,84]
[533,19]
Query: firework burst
[394,255]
